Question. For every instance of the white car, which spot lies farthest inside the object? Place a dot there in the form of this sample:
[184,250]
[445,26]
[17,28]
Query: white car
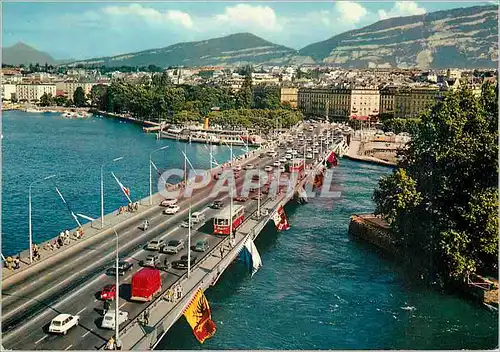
[315,151]
[249,166]
[309,150]
[276,163]
[294,152]
[282,160]
[289,151]
[282,169]
[288,156]
[168,202]
[272,154]
[108,322]
[309,156]
[155,245]
[173,209]
[63,322]
[268,168]
[237,168]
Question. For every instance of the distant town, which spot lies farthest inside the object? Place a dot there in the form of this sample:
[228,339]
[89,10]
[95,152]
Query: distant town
[316,91]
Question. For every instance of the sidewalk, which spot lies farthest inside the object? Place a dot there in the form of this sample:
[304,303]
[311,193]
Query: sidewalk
[92,230]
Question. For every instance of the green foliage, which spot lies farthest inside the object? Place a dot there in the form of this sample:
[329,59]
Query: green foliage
[398,125]
[79,97]
[60,100]
[46,100]
[267,97]
[442,200]
[98,96]
[255,118]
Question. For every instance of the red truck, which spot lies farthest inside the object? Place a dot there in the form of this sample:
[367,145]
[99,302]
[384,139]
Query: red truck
[146,283]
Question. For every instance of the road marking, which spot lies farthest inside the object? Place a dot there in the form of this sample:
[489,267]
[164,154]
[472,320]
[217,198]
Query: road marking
[122,305]
[88,332]
[40,340]
[81,311]
[67,348]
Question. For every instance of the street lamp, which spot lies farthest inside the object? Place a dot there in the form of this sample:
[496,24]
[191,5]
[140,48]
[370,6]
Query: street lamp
[102,188]
[186,161]
[151,172]
[29,214]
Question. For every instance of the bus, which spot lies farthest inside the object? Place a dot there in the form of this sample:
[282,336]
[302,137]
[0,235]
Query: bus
[221,220]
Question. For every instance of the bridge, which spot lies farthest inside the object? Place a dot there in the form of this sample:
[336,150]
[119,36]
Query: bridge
[69,280]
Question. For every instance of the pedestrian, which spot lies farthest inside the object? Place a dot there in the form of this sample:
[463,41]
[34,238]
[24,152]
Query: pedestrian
[67,233]
[9,262]
[106,307]
[17,263]
[146,317]
[221,249]
[110,345]
[118,344]
[179,293]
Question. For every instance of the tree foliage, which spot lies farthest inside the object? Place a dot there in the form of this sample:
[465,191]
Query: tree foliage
[46,100]
[442,200]
[79,97]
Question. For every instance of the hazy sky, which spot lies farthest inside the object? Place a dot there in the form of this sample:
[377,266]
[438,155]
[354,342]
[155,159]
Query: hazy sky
[91,29]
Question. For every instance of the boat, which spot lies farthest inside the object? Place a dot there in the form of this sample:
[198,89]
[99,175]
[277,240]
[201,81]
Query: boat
[32,110]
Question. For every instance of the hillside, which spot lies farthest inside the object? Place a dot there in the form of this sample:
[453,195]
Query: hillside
[21,53]
[462,38]
[234,49]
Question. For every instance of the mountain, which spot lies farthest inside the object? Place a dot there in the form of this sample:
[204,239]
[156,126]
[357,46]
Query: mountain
[235,49]
[21,53]
[461,38]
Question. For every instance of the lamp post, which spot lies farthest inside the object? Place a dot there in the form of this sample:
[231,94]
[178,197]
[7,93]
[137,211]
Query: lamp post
[231,196]
[102,188]
[151,174]
[29,214]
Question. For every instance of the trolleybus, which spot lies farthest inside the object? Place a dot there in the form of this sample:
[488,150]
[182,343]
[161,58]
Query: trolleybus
[221,220]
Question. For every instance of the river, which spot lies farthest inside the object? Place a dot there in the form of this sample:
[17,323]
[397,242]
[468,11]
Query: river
[317,289]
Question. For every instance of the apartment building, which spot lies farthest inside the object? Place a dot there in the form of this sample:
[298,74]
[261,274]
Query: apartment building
[365,101]
[33,92]
[411,101]
[289,95]
[69,87]
[8,91]
[387,95]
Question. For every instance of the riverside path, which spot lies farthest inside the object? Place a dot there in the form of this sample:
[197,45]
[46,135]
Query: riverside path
[69,280]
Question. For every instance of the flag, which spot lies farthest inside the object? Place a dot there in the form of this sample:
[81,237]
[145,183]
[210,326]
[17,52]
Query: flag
[69,208]
[280,219]
[318,179]
[199,317]
[125,190]
[331,160]
[251,257]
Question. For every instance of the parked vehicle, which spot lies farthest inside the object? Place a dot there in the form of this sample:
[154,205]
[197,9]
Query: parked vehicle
[108,292]
[288,156]
[237,167]
[155,245]
[183,262]
[171,210]
[277,163]
[289,151]
[217,204]
[269,168]
[173,246]
[168,202]
[63,322]
[240,199]
[152,260]
[108,321]
[202,245]
[283,160]
[249,166]
[309,156]
[146,283]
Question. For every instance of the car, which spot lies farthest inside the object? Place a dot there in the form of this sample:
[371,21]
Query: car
[249,166]
[309,156]
[202,245]
[294,152]
[123,267]
[288,156]
[155,245]
[218,175]
[173,247]
[63,322]
[309,150]
[108,321]
[217,204]
[237,174]
[289,151]
[152,260]
[183,262]
[237,167]
[173,209]
[269,168]
[197,217]
[265,190]
[240,199]
[272,154]
[315,151]
[258,197]
[168,202]
[282,169]
[108,292]
[277,163]
[253,189]
[283,160]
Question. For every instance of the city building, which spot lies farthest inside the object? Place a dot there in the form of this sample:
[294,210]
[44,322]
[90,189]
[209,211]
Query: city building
[33,92]
[411,101]
[289,95]
[8,92]
[69,87]
[365,101]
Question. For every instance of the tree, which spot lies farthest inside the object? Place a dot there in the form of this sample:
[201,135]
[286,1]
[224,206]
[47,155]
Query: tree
[46,100]
[98,96]
[79,97]
[442,201]
[60,100]
[244,96]
[267,97]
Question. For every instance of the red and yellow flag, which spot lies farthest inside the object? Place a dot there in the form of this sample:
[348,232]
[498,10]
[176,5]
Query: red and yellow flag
[199,317]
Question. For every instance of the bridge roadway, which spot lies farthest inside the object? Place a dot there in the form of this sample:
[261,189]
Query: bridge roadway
[71,286]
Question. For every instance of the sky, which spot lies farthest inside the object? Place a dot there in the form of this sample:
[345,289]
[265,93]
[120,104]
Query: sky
[81,30]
